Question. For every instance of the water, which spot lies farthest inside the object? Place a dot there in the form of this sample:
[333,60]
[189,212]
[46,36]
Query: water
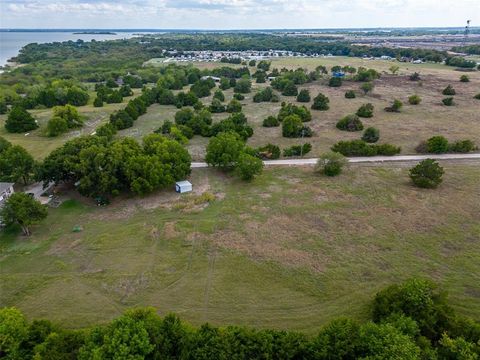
[12,41]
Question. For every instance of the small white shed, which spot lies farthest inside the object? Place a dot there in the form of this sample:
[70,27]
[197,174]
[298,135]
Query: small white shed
[183,186]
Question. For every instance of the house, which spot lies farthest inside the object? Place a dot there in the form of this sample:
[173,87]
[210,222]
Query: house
[183,186]
[6,189]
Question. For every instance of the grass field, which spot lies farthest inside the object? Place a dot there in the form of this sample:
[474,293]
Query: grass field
[406,129]
[290,250]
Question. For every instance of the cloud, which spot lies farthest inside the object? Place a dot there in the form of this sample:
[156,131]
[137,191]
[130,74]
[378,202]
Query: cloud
[225,14]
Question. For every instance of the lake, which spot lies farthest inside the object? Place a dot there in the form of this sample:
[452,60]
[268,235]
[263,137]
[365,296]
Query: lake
[12,41]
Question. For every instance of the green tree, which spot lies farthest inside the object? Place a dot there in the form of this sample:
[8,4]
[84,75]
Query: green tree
[19,120]
[371,135]
[350,123]
[464,78]
[243,86]
[234,106]
[303,96]
[449,90]
[367,87]
[337,340]
[331,163]
[248,166]
[458,349]
[414,100]
[290,89]
[23,210]
[4,144]
[448,101]
[437,145]
[292,125]
[13,331]
[224,149]
[56,126]
[98,102]
[335,81]
[427,174]
[219,95]
[365,111]
[350,94]
[77,96]
[320,102]
[16,164]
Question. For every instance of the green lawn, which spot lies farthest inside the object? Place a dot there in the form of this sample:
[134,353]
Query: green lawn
[290,250]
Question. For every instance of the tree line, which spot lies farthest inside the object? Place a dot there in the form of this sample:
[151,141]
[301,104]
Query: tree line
[409,321]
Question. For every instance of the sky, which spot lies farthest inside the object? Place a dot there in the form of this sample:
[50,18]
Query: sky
[236,14]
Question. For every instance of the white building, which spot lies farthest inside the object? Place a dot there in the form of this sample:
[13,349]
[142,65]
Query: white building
[183,186]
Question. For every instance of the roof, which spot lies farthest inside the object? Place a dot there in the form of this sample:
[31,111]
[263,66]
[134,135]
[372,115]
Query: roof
[5,186]
[183,183]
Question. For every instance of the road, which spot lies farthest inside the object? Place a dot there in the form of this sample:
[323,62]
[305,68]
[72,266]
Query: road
[370,159]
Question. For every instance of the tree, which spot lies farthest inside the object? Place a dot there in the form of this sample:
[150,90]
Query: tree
[13,331]
[248,166]
[56,126]
[448,101]
[394,69]
[270,121]
[292,126]
[365,111]
[23,210]
[350,94]
[224,149]
[4,144]
[449,90]
[367,87]
[224,83]
[243,86]
[216,106]
[303,96]
[371,135]
[415,77]
[437,145]
[337,340]
[19,120]
[252,62]
[350,123]
[427,174]
[77,96]
[331,163]
[290,89]
[15,164]
[335,81]
[219,95]
[98,102]
[320,102]
[414,100]
[234,106]
[395,107]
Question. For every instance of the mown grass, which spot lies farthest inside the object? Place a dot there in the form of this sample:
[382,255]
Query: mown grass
[289,250]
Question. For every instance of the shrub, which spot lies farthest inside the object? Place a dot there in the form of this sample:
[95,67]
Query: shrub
[320,102]
[268,152]
[422,148]
[290,89]
[427,174]
[303,96]
[477,96]
[292,126]
[365,111]
[56,126]
[335,82]
[243,86]
[361,148]
[248,166]
[270,121]
[464,78]
[264,95]
[366,75]
[448,101]
[387,149]
[354,148]
[371,135]
[437,145]
[98,102]
[350,94]
[331,163]
[183,116]
[291,109]
[462,146]
[234,106]
[395,107]
[216,106]
[350,123]
[449,90]
[367,87]
[415,77]
[219,95]
[297,150]
[414,100]
[238,96]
